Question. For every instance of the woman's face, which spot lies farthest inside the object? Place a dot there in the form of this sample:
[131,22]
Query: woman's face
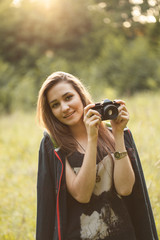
[65,103]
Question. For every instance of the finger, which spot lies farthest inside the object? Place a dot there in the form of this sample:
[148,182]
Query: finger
[92,118]
[123,112]
[122,107]
[88,107]
[119,101]
[95,122]
[92,112]
[122,117]
[98,124]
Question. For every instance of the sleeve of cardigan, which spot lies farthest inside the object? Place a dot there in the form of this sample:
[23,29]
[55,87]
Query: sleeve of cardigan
[45,194]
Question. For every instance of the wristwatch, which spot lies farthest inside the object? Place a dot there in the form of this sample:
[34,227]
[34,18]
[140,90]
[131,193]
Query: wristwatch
[119,155]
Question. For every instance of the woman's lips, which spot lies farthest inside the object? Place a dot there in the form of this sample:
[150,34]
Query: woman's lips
[68,115]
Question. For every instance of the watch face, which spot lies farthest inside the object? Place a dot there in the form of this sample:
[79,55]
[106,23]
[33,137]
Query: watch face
[117,155]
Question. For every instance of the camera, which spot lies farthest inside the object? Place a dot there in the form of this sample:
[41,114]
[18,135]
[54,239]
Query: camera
[107,109]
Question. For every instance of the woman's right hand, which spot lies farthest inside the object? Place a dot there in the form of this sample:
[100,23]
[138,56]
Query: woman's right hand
[92,120]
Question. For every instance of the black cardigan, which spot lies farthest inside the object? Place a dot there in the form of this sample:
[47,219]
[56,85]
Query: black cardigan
[51,194]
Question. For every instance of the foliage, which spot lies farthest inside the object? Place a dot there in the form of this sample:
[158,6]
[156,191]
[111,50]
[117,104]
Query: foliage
[34,31]
[86,38]
[19,143]
[127,68]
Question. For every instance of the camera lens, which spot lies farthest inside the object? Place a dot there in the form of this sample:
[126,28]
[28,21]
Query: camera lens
[110,112]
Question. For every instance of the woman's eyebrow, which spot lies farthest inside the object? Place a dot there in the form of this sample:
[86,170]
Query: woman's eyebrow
[54,100]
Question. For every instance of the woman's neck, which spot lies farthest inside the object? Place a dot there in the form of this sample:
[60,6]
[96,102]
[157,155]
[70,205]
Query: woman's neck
[79,132]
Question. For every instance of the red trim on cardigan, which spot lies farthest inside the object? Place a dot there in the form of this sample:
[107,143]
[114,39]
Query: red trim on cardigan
[58,216]
[129,133]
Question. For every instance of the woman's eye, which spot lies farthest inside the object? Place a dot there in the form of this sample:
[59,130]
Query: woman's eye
[69,97]
[55,105]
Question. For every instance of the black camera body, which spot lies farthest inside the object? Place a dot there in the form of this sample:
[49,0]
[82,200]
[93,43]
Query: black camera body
[107,109]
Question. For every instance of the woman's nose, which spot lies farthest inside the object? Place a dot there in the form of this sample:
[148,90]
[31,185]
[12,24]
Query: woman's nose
[64,107]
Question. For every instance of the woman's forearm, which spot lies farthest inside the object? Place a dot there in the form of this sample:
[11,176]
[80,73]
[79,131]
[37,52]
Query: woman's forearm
[124,177]
[81,185]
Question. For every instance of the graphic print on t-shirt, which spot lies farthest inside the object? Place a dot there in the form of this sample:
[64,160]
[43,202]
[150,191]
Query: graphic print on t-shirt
[105,169]
[94,227]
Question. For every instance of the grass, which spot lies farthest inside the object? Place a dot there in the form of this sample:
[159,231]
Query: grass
[146,130]
[19,143]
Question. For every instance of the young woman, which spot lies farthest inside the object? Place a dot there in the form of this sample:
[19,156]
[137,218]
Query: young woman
[81,183]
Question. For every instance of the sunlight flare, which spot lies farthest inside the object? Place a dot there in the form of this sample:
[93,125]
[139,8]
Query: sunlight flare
[42,3]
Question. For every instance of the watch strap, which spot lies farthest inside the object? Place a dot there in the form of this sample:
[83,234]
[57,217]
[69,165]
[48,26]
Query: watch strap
[120,155]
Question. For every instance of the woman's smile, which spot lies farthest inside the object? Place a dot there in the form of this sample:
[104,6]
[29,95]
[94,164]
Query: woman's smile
[69,115]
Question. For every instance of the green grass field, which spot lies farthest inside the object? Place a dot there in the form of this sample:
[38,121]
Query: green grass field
[19,143]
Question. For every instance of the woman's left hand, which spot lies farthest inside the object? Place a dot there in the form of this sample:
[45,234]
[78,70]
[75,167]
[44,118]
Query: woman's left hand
[122,119]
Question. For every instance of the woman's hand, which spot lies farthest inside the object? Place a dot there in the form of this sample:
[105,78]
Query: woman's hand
[92,120]
[122,119]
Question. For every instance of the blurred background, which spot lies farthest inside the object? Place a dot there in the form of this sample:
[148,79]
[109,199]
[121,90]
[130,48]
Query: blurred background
[113,46]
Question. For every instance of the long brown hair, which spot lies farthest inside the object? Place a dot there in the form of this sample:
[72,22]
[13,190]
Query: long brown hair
[60,132]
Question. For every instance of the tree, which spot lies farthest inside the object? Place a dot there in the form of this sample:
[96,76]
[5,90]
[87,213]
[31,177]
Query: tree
[130,16]
[34,31]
